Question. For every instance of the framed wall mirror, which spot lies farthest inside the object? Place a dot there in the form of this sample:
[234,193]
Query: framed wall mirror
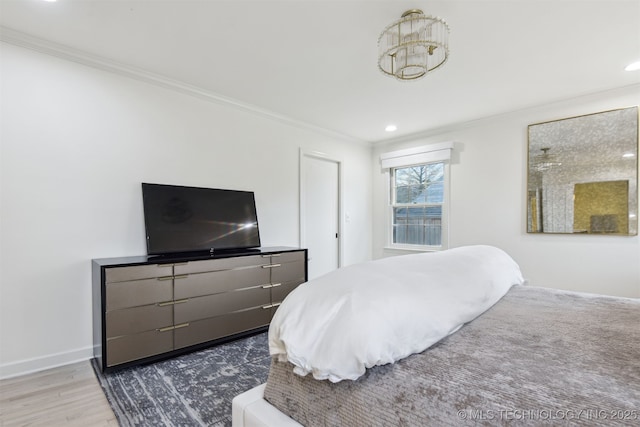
[583,174]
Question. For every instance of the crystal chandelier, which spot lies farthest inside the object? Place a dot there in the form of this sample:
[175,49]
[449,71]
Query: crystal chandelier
[413,45]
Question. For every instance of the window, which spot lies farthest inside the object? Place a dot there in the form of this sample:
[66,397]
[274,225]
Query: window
[418,196]
[417,204]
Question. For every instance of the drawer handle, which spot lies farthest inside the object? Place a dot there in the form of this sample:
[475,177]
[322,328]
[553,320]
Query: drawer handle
[171,328]
[178,276]
[166,303]
[271,305]
[275,255]
[271,285]
[271,266]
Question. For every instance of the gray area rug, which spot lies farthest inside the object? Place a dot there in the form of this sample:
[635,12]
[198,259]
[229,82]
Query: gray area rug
[195,389]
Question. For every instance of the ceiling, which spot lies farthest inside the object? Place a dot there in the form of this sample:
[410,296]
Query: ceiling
[314,62]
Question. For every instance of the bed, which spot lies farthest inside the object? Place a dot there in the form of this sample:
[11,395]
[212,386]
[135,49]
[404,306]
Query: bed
[534,356]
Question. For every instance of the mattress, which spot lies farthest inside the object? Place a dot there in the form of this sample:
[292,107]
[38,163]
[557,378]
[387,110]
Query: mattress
[537,356]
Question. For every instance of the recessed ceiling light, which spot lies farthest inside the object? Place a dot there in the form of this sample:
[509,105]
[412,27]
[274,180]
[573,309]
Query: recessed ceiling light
[391,128]
[628,155]
[635,66]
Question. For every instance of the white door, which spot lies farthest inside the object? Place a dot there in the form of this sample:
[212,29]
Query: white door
[320,212]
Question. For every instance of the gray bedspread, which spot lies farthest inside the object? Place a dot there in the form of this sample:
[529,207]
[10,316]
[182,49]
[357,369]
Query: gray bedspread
[537,357]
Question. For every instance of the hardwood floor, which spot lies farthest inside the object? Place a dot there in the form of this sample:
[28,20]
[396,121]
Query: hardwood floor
[65,396]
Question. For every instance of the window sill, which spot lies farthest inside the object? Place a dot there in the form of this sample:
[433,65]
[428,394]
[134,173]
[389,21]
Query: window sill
[402,248]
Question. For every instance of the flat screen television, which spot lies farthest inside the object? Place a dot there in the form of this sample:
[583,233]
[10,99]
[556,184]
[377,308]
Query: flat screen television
[189,219]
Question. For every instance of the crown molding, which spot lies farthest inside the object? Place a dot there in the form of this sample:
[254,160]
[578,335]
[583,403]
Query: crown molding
[616,91]
[24,40]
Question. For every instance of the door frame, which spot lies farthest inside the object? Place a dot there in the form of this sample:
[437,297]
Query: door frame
[320,155]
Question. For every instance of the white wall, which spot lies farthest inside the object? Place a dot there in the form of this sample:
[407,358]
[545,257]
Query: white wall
[488,201]
[76,143]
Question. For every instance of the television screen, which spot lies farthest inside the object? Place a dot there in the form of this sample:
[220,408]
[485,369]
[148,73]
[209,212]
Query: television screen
[185,219]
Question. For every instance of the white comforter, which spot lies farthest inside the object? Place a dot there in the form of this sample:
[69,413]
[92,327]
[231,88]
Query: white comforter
[378,312]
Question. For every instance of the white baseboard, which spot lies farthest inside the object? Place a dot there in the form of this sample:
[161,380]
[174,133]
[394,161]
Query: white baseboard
[36,364]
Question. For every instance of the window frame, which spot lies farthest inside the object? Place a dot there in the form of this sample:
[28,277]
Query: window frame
[444,239]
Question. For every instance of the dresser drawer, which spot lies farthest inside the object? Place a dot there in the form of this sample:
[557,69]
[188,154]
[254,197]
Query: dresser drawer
[221,326]
[122,274]
[131,321]
[132,347]
[289,271]
[138,292]
[283,257]
[221,304]
[194,285]
[278,293]
[219,264]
